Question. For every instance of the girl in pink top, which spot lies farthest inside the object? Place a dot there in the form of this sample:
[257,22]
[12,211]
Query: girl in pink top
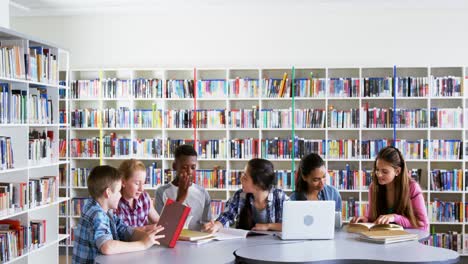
[393,196]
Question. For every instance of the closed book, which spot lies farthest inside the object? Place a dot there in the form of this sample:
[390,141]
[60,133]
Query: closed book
[172,218]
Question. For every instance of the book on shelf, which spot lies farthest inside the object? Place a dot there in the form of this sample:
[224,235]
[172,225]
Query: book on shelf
[12,105]
[244,118]
[13,63]
[6,153]
[446,180]
[352,208]
[343,118]
[344,87]
[378,87]
[85,89]
[214,88]
[40,106]
[179,89]
[214,178]
[310,87]
[366,227]
[446,86]
[451,240]
[387,236]
[446,211]
[243,88]
[40,146]
[412,86]
[147,88]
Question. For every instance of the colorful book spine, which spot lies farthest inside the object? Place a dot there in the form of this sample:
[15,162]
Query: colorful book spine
[352,208]
[147,118]
[212,88]
[378,87]
[447,86]
[217,207]
[243,88]
[6,153]
[451,240]
[211,149]
[116,88]
[448,149]
[179,89]
[343,149]
[39,107]
[446,211]
[13,105]
[446,117]
[310,87]
[370,148]
[446,180]
[247,148]
[215,178]
[305,146]
[182,118]
[40,146]
[148,148]
[413,149]
[147,88]
[85,147]
[85,89]
[346,179]
[343,118]
[153,175]
[79,177]
[344,87]
[244,118]
[215,118]
[412,86]
[276,88]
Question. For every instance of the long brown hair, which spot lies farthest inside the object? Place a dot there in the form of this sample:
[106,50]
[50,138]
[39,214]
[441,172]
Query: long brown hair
[263,176]
[402,204]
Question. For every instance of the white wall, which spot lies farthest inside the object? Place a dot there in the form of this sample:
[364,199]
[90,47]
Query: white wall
[5,13]
[266,36]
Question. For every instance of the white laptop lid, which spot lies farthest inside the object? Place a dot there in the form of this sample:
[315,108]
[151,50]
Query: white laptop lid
[308,220]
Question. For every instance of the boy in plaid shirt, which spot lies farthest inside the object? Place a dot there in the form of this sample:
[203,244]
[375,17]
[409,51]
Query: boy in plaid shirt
[100,231]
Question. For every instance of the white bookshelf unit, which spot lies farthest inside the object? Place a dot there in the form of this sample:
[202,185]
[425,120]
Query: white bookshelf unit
[46,164]
[325,101]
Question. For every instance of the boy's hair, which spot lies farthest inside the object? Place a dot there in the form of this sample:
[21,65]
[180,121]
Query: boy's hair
[100,178]
[184,150]
[127,167]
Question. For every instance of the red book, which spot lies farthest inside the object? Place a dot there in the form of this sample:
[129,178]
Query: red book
[172,218]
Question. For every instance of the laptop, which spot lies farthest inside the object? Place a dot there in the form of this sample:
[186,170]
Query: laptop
[308,220]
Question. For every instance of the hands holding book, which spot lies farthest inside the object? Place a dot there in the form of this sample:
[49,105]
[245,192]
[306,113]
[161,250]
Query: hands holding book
[151,236]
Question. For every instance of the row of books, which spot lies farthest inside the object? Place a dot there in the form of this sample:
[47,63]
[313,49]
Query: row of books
[12,105]
[446,211]
[77,205]
[351,208]
[217,207]
[447,180]
[123,117]
[273,148]
[303,118]
[20,196]
[272,87]
[17,239]
[450,240]
[39,107]
[40,146]
[343,118]
[6,153]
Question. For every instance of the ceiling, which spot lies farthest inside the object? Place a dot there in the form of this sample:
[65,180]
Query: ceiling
[84,7]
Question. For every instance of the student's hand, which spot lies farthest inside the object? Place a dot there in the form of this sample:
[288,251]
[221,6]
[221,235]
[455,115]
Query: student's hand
[359,219]
[152,237]
[150,228]
[183,185]
[261,227]
[385,219]
[212,227]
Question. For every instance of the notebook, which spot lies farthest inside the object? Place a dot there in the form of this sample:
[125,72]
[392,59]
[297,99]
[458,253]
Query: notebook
[387,236]
[362,227]
[172,218]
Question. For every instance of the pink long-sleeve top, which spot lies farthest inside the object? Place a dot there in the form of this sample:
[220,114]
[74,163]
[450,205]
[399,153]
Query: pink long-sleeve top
[419,208]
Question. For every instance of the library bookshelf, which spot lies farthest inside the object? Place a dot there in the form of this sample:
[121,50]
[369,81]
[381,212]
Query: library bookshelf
[29,131]
[247,118]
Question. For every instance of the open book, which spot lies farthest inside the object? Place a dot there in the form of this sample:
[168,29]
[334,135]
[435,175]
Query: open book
[222,234]
[387,236]
[362,227]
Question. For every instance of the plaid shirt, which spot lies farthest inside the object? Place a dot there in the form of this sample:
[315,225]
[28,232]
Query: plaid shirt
[94,229]
[138,216]
[274,208]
